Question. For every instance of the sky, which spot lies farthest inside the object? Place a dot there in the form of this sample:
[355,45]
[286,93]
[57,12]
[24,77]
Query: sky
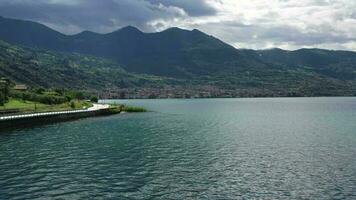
[253,24]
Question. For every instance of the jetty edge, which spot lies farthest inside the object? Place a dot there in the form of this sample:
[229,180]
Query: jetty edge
[18,121]
[122,108]
[32,119]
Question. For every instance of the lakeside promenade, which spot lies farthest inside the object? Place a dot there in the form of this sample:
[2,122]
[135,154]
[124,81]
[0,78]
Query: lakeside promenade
[94,108]
[32,119]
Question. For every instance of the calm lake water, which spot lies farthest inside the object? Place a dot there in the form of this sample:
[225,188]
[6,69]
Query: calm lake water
[280,148]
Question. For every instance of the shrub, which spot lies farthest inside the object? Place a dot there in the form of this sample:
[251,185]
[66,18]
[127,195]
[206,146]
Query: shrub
[4,91]
[59,91]
[42,98]
[79,95]
[94,99]
[132,109]
[40,90]
[72,104]
[2,99]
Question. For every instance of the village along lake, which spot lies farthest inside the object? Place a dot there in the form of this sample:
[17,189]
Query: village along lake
[269,148]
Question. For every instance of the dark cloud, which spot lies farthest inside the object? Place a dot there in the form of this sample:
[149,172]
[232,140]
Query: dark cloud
[248,24]
[101,16]
[192,7]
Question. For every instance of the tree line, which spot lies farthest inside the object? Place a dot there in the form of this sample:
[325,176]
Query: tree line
[41,95]
[4,91]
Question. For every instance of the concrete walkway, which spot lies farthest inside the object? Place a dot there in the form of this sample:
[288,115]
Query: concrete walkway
[99,106]
[95,107]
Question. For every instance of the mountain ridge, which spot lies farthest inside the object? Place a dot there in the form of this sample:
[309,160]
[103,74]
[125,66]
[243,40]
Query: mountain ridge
[194,57]
[188,30]
[128,46]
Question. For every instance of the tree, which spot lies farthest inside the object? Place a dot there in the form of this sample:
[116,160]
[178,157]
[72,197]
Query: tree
[2,98]
[4,90]
[72,104]
[79,95]
[40,90]
[122,95]
[59,91]
[94,99]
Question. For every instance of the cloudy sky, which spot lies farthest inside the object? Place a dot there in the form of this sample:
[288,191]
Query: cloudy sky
[256,24]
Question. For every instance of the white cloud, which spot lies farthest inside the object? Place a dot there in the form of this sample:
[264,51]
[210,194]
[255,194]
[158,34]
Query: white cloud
[281,23]
[254,24]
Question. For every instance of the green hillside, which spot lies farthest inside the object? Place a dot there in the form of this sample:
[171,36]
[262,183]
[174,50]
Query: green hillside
[43,68]
[174,52]
[182,59]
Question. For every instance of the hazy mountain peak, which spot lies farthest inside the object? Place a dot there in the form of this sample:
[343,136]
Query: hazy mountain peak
[273,50]
[129,29]
[197,30]
[175,29]
[86,33]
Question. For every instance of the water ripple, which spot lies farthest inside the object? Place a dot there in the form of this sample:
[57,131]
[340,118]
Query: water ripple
[231,149]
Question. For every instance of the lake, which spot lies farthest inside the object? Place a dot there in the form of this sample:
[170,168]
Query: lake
[267,148]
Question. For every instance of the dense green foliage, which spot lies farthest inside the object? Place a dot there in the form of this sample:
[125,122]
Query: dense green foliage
[41,68]
[4,91]
[189,58]
[131,109]
[50,96]
[124,108]
[94,99]
[39,100]
[3,97]
[21,106]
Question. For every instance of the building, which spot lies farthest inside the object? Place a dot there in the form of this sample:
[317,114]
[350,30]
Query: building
[21,87]
[5,81]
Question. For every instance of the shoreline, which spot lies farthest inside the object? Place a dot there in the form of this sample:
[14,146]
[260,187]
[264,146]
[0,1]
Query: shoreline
[314,97]
[33,119]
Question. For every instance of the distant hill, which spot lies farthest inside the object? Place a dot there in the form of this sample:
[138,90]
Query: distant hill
[337,64]
[193,57]
[43,68]
[174,52]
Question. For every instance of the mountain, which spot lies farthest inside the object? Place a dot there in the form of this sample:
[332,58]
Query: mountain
[43,68]
[187,57]
[336,64]
[173,52]
[30,34]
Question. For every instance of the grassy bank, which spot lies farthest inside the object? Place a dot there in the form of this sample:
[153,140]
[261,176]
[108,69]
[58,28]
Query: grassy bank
[124,108]
[131,109]
[23,106]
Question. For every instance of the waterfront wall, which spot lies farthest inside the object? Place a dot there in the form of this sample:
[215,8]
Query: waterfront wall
[21,121]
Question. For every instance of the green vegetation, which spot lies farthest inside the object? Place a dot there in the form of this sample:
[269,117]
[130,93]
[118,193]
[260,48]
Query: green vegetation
[131,109]
[115,109]
[94,99]
[4,91]
[174,57]
[46,69]
[22,106]
[124,108]
[49,99]
[40,100]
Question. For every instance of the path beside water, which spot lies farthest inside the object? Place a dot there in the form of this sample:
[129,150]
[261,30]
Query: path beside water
[33,119]
[95,107]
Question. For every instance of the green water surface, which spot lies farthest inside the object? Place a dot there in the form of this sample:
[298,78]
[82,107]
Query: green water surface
[278,148]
